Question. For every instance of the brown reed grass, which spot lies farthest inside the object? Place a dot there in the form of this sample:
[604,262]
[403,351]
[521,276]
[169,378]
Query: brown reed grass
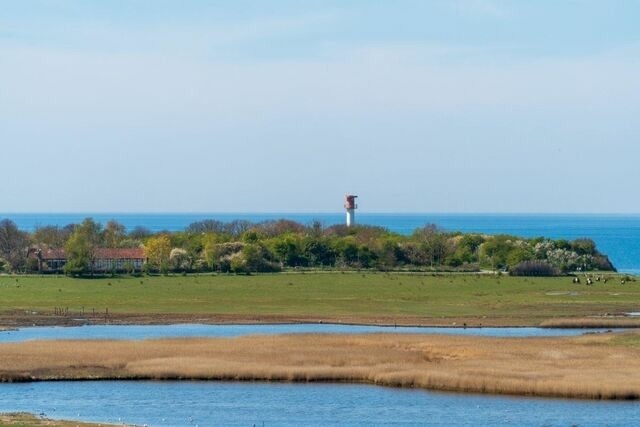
[601,366]
[592,322]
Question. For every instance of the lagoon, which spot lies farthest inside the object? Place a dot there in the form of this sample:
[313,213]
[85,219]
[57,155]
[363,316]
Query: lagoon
[187,403]
[141,332]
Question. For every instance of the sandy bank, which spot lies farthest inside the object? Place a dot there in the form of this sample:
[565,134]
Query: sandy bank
[602,366]
[23,419]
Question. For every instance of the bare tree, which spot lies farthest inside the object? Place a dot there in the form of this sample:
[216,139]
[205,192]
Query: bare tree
[14,244]
[113,234]
[206,226]
[51,236]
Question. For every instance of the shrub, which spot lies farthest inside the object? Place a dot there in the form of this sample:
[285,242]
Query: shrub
[533,268]
[602,262]
[584,246]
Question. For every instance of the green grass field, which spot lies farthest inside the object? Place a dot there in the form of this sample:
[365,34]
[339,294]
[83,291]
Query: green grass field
[517,300]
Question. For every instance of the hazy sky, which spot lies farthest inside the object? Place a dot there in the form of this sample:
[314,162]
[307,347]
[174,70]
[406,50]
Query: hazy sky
[284,106]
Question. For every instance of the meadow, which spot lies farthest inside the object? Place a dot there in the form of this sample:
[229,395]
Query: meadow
[599,366]
[356,297]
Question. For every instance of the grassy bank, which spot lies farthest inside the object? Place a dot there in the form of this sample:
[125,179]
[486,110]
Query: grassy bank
[28,420]
[603,366]
[341,297]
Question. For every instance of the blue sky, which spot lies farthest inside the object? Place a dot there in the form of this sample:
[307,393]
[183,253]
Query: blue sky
[284,106]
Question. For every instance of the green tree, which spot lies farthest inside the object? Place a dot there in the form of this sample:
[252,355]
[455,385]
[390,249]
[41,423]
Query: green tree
[584,246]
[193,244]
[251,236]
[347,250]
[180,260]
[288,249]
[211,250]
[389,252]
[465,249]
[81,247]
[366,257]
[433,243]
[318,251]
[252,258]
[518,255]
[157,250]
[495,251]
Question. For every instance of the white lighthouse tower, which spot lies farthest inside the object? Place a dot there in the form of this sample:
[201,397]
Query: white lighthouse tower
[350,206]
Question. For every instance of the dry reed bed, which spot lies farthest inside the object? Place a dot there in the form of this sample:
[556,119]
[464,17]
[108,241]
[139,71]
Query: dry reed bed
[591,366]
[592,322]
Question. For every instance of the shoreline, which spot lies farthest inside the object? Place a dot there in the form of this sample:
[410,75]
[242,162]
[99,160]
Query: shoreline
[600,366]
[23,419]
[20,319]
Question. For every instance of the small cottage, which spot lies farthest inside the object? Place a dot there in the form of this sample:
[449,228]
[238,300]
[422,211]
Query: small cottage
[104,260]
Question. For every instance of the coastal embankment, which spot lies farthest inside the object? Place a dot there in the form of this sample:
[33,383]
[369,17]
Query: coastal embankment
[598,366]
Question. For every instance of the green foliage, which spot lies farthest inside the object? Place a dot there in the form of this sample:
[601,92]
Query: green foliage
[347,251]
[470,243]
[80,247]
[495,251]
[158,252]
[288,248]
[318,251]
[390,253]
[253,258]
[244,247]
[584,246]
[251,236]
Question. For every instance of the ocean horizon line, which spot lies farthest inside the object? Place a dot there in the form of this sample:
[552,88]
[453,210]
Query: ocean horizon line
[306,213]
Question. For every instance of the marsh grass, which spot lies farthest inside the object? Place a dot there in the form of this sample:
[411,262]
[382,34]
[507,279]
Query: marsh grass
[602,366]
[595,322]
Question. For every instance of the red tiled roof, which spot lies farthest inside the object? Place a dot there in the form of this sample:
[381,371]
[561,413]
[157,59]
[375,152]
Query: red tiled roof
[119,253]
[57,253]
[100,253]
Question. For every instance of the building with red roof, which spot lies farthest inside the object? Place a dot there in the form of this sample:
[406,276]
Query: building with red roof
[104,259]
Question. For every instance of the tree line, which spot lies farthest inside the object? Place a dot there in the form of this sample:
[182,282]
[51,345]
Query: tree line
[269,246]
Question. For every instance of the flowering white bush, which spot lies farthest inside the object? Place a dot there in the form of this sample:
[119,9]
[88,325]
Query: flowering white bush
[541,249]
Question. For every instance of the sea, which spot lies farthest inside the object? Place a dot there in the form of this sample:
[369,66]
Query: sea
[617,235]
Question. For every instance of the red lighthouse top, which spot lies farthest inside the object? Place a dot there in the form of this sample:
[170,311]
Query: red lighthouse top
[350,201]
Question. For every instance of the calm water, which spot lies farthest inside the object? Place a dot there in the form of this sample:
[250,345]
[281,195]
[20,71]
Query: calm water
[616,235]
[272,404]
[248,404]
[140,332]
